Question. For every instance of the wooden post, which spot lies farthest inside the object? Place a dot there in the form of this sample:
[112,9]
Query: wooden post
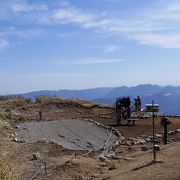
[40,115]
[45,168]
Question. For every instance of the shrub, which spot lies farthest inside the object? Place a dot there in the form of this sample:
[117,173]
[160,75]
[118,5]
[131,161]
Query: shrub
[18,102]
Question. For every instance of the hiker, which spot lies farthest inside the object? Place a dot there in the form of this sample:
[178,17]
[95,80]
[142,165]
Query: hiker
[123,108]
[127,107]
[120,109]
[135,105]
[138,103]
[165,122]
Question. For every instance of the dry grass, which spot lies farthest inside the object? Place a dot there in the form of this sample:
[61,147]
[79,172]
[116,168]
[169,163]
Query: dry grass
[64,102]
[5,171]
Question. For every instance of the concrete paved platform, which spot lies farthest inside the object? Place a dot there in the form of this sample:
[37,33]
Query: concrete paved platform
[72,134]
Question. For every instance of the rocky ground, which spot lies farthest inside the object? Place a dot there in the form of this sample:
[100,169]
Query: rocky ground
[130,160]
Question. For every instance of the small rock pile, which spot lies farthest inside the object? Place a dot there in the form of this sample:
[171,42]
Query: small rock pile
[143,139]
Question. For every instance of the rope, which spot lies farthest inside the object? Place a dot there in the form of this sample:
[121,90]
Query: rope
[103,145]
[36,174]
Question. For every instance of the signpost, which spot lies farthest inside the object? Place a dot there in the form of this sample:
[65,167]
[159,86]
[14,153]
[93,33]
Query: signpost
[154,151]
[153,108]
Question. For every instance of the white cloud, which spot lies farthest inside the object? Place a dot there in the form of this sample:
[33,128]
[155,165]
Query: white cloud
[159,26]
[167,94]
[153,26]
[170,11]
[4,44]
[26,33]
[93,60]
[25,7]
[111,48]
[74,15]
[20,8]
[161,40]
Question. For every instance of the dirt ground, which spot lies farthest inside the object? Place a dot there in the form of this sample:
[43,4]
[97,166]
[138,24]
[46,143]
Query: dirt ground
[144,127]
[129,162]
[141,166]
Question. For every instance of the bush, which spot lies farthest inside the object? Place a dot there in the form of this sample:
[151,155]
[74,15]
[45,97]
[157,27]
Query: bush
[18,102]
[40,99]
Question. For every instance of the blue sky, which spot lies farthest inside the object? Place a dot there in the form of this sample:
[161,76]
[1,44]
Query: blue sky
[78,44]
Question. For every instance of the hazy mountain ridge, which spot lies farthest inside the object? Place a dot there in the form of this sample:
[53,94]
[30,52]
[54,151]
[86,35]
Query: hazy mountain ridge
[168,97]
[89,94]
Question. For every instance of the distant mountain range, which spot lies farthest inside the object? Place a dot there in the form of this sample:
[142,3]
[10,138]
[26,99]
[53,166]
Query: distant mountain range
[168,97]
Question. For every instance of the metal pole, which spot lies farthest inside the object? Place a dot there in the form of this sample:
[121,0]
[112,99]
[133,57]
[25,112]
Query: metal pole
[154,151]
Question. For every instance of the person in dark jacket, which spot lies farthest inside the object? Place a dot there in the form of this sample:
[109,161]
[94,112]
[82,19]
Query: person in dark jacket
[128,107]
[138,103]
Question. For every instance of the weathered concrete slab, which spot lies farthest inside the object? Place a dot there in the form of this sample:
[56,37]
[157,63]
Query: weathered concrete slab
[73,134]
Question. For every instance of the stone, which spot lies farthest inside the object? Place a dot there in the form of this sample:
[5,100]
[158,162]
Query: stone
[102,164]
[102,157]
[80,177]
[142,141]
[148,140]
[16,127]
[128,143]
[112,167]
[110,154]
[15,139]
[171,132]
[143,136]
[36,156]
[13,135]
[159,135]
[106,177]
[117,157]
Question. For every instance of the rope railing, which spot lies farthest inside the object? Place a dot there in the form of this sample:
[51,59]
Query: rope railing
[44,167]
